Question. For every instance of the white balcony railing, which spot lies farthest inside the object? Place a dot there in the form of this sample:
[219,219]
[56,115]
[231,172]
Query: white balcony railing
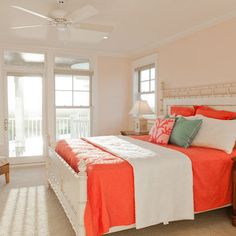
[73,127]
[32,128]
[67,127]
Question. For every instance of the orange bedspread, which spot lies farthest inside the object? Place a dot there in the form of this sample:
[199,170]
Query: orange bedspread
[111,184]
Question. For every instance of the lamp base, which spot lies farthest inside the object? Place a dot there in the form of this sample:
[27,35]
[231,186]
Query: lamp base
[140,125]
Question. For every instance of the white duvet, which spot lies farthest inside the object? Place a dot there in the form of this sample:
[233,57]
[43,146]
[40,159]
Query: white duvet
[162,179]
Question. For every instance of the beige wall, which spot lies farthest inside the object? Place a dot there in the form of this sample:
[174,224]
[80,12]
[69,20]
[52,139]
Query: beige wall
[205,57]
[112,95]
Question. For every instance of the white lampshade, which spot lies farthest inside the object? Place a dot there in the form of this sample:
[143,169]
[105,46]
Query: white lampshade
[140,108]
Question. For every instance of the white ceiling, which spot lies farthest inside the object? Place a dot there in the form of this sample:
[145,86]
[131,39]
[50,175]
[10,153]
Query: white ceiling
[139,25]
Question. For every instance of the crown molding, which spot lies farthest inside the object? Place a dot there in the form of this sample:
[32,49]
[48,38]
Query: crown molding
[70,50]
[208,24]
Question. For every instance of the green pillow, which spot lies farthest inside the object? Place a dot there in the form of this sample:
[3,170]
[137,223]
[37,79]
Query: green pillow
[170,116]
[184,131]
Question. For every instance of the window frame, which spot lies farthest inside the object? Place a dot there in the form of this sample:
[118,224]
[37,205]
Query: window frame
[138,89]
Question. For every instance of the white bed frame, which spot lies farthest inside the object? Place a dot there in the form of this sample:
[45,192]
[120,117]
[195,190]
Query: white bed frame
[71,187]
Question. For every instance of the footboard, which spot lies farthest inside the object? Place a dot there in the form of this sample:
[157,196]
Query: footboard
[234,194]
[70,188]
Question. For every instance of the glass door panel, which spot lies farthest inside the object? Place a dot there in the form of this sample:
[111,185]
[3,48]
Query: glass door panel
[24,116]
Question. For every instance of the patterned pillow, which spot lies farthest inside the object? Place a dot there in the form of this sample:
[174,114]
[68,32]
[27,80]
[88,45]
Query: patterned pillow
[161,130]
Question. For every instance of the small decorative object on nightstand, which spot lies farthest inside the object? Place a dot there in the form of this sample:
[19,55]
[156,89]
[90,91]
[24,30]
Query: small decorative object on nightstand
[4,168]
[132,133]
[139,109]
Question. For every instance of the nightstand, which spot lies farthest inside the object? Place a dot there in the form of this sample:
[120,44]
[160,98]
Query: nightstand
[132,133]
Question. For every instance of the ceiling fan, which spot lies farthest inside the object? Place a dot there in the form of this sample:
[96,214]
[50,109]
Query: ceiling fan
[62,20]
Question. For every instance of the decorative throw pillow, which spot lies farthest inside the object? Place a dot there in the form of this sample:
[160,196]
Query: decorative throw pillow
[218,134]
[182,111]
[161,130]
[184,131]
[213,113]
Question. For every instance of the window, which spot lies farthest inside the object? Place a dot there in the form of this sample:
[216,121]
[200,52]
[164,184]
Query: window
[13,58]
[73,101]
[147,85]
[72,63]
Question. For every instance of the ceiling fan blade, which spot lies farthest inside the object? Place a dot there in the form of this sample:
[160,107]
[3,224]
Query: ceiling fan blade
[32,13]
[83,13]
[95,27]
[27,27]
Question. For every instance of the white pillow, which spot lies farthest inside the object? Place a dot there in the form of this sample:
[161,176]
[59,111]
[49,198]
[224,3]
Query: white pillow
[214,133]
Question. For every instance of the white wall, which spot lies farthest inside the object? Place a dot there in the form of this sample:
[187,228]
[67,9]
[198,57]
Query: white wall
[205,57]
[112,96]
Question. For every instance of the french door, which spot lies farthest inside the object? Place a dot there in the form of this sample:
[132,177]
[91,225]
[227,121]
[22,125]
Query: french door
[24,123]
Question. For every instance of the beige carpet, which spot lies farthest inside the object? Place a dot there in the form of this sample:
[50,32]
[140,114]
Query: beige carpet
[27,207]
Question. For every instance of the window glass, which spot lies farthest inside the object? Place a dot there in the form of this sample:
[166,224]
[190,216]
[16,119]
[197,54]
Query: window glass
[72,123]
[144,75]
[147,86]
[152,85]
[81,98]
[64,98]
[25,115]
[150,98]
[72,63]
[63,82]
[14,58]
[72,92]
[80,66]
[81,83]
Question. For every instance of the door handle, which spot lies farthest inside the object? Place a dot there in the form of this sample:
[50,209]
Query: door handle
[6,124]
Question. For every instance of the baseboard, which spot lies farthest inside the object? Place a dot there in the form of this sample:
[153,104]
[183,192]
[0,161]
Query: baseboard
[27,164]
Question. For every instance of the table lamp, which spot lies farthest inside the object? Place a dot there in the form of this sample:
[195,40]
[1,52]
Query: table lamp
[139,109]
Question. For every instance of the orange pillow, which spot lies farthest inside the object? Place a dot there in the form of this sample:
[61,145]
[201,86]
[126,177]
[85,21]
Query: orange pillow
[213,113]
[182,111]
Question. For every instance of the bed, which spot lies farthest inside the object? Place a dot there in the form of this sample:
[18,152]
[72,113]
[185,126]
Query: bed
[71,187]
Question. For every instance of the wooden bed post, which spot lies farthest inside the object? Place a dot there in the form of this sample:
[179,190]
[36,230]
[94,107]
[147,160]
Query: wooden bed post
[234,193]
[82,197]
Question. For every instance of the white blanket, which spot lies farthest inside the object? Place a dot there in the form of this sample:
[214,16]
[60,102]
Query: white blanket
[162,179]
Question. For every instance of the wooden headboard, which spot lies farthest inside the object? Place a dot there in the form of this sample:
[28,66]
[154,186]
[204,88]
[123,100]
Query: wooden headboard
[218,96]
[223,103]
